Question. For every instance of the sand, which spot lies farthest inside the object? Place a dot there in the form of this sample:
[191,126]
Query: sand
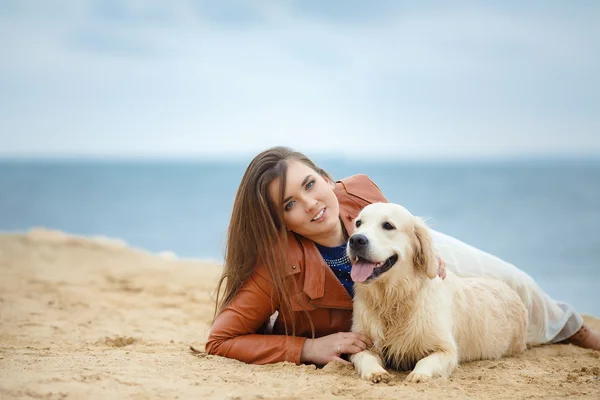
[92,318]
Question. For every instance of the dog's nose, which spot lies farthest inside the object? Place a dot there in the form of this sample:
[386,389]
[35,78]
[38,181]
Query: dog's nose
[358,241]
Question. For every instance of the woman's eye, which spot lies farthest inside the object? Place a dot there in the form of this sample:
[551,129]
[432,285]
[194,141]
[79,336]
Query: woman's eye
[358,223]
[288,206]
[309,185]
[387,226]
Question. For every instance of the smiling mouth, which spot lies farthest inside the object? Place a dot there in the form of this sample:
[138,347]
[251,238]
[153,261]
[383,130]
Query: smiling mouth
[364,271]
[319,215]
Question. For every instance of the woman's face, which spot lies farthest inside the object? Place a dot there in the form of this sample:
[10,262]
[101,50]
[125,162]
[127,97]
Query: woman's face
[310,207]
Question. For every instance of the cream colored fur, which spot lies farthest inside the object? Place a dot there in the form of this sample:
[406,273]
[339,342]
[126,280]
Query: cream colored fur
[417,319]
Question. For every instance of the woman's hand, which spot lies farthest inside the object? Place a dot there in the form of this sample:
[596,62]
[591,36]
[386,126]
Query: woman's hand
[322,350]
[441,267]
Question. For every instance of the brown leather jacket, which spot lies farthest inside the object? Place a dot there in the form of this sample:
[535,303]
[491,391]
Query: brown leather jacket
[314,288]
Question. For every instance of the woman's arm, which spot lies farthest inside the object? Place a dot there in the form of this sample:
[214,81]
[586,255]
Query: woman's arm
[233,334]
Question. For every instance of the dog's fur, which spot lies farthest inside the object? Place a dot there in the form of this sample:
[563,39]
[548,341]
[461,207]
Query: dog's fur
[417,319]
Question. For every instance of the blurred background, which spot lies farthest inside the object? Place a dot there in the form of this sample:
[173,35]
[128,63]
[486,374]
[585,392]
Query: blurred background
[136,119]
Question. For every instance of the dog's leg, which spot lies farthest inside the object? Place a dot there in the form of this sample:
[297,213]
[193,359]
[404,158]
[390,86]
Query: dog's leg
[440,363]
[369,366]
[368,363]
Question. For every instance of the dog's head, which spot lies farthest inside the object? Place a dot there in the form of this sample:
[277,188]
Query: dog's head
[390,242]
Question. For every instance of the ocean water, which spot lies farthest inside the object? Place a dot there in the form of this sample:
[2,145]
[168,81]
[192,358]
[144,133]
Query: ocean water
[541,215]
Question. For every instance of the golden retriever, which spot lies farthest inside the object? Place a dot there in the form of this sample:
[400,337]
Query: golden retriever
[415,318]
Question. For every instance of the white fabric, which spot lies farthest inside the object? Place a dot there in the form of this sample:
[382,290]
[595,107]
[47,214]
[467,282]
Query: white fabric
[549,321]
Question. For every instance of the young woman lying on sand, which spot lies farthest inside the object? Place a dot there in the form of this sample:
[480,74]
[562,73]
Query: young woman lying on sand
[286,254]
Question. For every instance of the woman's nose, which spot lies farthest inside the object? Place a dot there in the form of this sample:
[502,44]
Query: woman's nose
[311,204]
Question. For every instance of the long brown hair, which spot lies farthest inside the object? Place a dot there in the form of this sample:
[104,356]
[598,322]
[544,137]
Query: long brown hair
[257,231]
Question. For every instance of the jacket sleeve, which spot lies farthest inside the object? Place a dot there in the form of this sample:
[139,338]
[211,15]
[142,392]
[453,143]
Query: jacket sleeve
[233,333]
[363,190]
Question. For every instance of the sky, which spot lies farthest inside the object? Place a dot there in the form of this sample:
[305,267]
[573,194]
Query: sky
[385,79]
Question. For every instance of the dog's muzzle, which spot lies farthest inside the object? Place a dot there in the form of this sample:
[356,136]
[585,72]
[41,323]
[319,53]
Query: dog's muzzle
[363,269]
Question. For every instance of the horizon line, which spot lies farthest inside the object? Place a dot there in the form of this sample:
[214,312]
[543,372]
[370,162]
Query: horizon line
[332,156]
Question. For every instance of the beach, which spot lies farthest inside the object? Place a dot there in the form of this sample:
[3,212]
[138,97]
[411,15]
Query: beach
[93,318]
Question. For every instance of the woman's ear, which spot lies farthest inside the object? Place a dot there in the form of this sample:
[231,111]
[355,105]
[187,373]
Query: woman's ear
[423,256]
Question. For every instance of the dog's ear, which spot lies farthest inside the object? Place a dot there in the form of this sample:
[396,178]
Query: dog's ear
[423,256]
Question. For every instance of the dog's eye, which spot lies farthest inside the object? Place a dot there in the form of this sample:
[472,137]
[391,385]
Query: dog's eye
[387,226]
[358,223]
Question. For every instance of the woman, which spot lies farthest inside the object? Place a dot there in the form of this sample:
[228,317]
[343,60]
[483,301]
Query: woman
[288,292]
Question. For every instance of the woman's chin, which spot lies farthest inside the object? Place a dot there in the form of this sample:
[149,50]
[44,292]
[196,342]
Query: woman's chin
[328,227]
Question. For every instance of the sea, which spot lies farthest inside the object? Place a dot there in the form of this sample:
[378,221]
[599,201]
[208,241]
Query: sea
[542,215]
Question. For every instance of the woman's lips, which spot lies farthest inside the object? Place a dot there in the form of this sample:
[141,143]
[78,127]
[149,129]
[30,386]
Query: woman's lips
[320,216]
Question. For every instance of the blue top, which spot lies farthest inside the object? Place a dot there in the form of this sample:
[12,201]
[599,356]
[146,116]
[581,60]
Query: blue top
[339,263]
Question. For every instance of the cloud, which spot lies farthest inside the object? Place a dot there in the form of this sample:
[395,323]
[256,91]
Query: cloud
[189,78]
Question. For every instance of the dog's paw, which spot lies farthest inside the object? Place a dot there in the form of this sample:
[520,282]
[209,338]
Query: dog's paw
[377,376]
[417,378]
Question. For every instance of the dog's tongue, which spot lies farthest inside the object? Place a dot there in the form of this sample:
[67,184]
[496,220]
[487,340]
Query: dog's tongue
[361,270]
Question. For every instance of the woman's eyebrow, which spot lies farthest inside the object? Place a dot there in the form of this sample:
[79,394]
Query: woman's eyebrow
[301,185]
